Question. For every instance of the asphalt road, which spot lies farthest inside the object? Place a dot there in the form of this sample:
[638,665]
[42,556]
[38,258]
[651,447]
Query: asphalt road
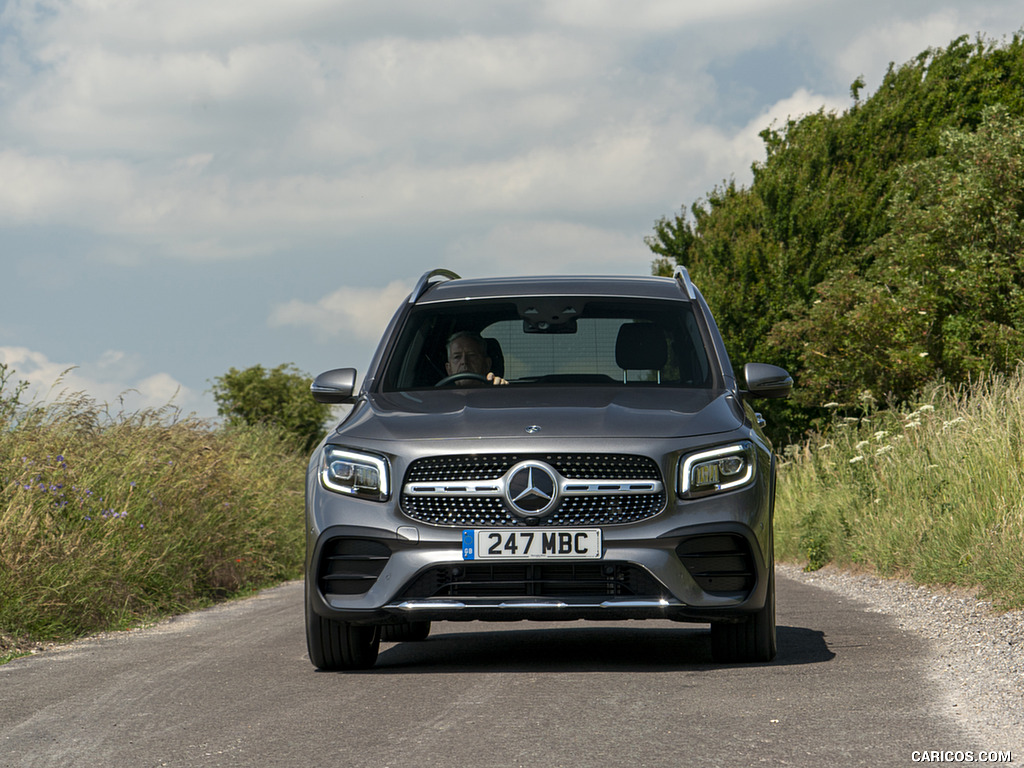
[232,686]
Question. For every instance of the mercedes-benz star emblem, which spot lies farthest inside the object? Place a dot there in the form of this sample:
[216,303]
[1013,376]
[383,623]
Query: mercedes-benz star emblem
[532,489]
[532,430]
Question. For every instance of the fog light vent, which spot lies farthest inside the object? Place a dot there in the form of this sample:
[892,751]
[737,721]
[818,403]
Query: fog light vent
[721,564]
[351,566]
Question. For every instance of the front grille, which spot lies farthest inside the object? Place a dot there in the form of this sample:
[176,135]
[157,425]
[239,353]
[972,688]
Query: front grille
[635,491]
[351,566]
[551,580]
[721,564]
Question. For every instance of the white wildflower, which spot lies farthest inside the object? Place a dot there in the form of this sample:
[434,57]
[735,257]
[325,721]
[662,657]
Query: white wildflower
[831,405]
[860,446]
[855,459]
[880,435]
[884,449]
[912,424]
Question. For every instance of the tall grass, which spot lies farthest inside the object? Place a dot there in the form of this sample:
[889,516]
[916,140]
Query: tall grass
[933,492]
[106,520]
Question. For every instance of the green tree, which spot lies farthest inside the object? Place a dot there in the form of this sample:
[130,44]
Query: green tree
[278,397]
[858,253]
[944,295]
[957,241]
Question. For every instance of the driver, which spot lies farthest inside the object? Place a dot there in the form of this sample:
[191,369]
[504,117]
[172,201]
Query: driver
[467,353]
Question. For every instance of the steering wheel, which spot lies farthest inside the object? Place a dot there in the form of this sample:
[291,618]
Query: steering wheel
[461,376]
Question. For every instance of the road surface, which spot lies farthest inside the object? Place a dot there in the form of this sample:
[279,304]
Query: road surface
[232,686]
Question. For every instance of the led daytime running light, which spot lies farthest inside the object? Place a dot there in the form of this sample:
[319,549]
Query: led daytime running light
[355,474]
[717,470]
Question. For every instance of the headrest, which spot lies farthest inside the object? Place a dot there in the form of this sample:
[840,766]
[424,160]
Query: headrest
[641,347]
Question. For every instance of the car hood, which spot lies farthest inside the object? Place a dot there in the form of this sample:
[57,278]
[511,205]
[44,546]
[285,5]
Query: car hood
[552,413]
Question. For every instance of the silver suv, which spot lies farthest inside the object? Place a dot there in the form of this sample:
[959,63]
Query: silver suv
[543,448]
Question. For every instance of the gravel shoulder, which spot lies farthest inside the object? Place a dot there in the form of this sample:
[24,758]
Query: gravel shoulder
[977,654]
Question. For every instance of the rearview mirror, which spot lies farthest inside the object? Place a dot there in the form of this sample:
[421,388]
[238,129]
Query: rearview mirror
[765,380]
[334,386]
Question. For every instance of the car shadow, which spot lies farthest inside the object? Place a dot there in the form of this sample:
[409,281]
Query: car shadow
[586,649]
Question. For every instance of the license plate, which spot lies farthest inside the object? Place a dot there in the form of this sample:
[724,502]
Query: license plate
[574,543]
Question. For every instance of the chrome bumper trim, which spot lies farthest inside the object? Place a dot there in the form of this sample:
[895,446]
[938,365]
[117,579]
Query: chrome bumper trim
[554,605]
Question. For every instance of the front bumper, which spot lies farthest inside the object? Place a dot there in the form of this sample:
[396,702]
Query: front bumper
[705,572]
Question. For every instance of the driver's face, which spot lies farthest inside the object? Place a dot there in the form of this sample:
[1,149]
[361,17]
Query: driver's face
[465,356]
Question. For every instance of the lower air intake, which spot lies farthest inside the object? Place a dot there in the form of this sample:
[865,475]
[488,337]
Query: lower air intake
[721,564]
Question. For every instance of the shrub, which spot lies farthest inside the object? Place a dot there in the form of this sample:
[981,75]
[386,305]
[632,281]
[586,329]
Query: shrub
[278,398]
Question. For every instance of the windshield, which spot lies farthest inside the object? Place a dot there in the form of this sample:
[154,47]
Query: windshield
[551,341]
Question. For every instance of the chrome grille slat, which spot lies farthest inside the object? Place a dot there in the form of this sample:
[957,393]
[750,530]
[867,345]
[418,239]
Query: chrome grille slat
[595,489]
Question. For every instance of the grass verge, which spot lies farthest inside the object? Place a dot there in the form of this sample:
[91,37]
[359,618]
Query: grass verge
[933,492]
[108,522]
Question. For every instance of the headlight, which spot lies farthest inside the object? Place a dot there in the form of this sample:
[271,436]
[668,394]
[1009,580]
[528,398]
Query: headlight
[355,474]
[718,470]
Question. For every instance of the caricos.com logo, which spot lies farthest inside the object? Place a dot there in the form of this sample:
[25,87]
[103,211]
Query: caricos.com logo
[959,756]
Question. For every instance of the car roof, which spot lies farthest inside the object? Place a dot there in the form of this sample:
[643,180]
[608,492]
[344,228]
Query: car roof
[643,287]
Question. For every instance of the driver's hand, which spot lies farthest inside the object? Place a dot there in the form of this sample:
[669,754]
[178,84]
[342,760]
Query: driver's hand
[496,380]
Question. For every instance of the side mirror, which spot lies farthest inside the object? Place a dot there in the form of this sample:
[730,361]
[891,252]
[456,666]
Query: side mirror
[765,380]
[335,386]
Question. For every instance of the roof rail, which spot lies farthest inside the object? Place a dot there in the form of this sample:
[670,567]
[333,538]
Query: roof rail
[424,282]
[682,275]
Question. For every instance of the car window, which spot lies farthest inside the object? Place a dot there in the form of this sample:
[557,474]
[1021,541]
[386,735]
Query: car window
[579,342]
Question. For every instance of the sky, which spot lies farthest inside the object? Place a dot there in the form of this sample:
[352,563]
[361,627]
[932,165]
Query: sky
[188,187]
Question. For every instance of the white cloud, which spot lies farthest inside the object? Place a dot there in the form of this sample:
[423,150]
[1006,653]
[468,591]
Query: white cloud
[157,24]
[251,141]
[895,41]
[362,313]
[748,142]
[544,247]
[210,131]
[661,15]
[856,41]
[161,388]
[192,212]
[111,380]
[40,188]
[95,99]
[230,129]
[410,74]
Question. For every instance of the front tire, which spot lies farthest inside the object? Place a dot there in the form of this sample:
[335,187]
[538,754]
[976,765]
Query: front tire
[339,645]
[750,641]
